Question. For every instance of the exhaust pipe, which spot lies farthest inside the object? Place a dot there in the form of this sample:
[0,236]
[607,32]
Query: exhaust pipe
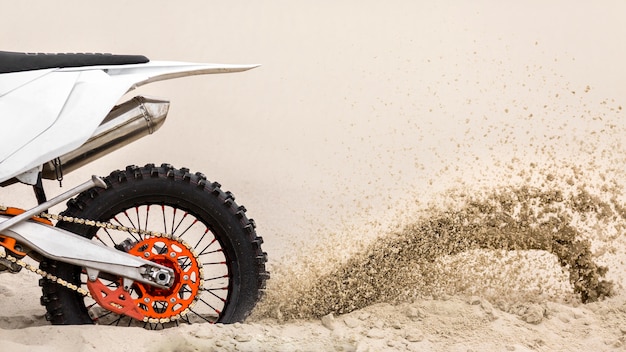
[126,123]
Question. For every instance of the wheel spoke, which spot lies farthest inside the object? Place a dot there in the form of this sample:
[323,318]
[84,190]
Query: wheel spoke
[187,229]
[184,264]
[105,314]
[201,238]
[147,216]
[180,222]
[117,321]
[121,224]
[214,294]
[202,317]
[138,221]
[110,237]
[211,252]
[207,246]
[185,319]
[164,220]
[173,220]
[210,306]
[129,220]
[214,263]
[99,239]
[184,290]
[216,278]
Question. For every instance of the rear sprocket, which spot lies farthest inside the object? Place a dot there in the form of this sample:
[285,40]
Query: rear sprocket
[153,304]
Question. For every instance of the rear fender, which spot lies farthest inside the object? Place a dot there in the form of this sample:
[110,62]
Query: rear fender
[67,105]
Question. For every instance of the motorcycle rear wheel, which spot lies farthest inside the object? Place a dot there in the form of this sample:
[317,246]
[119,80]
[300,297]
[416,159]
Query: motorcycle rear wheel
[177,202]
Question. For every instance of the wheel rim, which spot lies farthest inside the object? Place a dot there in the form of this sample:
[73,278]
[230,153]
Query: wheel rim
[202,281]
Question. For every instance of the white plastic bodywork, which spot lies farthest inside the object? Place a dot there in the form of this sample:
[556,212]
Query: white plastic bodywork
[47,113]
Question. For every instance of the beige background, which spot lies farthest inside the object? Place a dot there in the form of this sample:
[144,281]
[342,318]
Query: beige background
[362,114]
[361,109]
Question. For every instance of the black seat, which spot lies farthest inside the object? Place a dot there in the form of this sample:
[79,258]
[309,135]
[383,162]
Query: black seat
[16,62]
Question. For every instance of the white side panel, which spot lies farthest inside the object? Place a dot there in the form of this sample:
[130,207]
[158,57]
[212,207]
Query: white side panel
[92,97]
[24,115]
[11,81]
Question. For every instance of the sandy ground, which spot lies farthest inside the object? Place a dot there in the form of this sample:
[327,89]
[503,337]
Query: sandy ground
[370,124]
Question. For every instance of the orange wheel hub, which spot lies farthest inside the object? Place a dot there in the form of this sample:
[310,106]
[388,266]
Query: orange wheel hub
[152,302]
[168,303]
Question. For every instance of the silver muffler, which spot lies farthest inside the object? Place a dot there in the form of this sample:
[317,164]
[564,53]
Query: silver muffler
[126,123]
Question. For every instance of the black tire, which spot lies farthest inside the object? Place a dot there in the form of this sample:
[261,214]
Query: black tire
[140,188]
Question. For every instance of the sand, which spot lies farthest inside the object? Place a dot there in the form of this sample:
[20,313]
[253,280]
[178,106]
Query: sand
[427,176]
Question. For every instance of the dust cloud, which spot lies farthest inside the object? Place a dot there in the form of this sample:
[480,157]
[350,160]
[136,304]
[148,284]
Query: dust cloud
[513,243]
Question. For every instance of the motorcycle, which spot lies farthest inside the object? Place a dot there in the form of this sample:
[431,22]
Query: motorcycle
[155,245]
